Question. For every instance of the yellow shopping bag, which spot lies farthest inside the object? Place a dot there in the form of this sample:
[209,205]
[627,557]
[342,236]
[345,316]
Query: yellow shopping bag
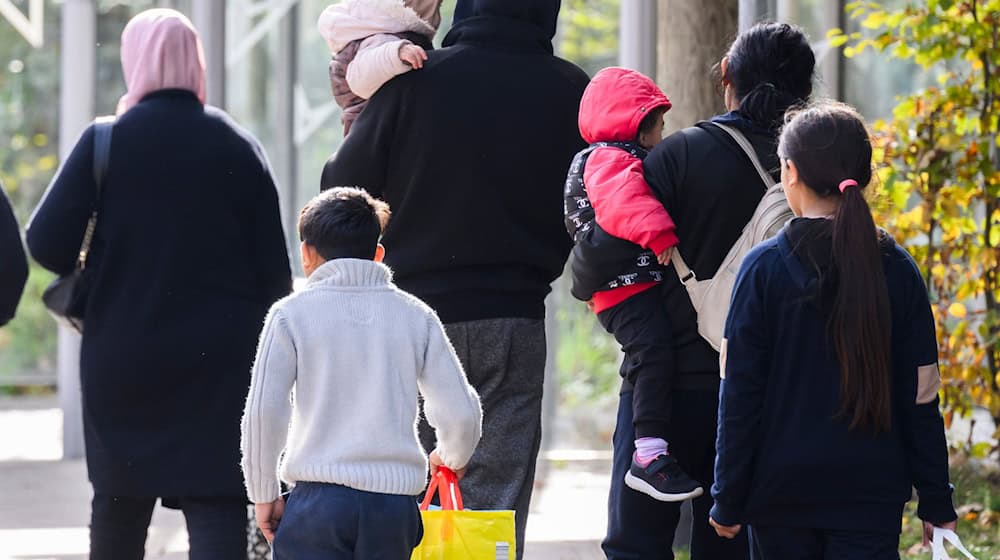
[453,533]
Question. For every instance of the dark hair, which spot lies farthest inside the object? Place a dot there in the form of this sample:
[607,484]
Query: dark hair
[771,68]
[343,222]
[829,143]
[650,121]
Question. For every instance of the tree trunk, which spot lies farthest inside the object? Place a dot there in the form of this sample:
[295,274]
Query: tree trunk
[694,35]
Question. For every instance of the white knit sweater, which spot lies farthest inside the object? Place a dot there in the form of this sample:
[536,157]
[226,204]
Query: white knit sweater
[356,350]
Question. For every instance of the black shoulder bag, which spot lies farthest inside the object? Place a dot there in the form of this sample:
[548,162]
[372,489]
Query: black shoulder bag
[66,297]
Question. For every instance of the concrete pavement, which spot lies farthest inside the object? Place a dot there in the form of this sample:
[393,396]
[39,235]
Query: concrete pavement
[44,502]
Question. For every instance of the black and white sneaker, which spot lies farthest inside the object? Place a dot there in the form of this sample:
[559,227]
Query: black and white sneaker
[662,480]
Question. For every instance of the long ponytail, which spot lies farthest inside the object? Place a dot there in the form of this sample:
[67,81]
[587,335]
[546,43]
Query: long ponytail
[831,149]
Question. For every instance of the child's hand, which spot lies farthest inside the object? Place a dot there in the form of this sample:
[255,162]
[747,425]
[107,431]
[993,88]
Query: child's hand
[664,257]
[725,531]
[435,461]
[268,516]
[929,530]
[413,55]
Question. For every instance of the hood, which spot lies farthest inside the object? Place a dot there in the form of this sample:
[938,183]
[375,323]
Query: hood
[806,245]
[351,20]
[615,103]
[428,10]
[525,20]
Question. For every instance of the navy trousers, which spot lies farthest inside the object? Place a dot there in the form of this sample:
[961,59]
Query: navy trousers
[641,528]
[778,543]
[333,522]
[217,527]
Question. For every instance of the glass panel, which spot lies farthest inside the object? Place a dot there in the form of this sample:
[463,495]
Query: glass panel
[29,145]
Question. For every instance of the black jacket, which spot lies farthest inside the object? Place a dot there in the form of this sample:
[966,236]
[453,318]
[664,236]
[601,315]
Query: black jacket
[602,261]
[13,263]
[190,254]
[711,189]
[471,153]
[786,456]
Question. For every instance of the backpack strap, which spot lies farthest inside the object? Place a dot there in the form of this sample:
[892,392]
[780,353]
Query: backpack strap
[684,272]
[749,151]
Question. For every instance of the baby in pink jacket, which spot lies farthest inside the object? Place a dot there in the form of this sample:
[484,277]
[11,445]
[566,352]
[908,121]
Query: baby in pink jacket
[372,42]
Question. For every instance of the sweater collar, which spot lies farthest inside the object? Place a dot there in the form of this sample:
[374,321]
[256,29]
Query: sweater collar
[353,273]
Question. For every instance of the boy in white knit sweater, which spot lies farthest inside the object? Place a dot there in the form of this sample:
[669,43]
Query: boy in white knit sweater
[356,351]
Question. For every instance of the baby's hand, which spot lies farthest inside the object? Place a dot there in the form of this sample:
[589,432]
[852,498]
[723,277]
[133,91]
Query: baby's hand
[664,257]
[413,55]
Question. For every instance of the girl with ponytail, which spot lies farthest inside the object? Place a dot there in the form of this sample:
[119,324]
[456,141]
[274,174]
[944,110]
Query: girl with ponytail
[829,408]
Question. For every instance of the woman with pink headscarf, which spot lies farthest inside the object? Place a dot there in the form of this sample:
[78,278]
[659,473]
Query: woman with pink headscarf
[186,259]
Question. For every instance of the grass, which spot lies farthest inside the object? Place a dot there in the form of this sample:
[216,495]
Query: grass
[977,497]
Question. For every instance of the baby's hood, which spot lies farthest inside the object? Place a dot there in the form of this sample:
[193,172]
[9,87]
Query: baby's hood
[350,20]
[614,104]
[428,10]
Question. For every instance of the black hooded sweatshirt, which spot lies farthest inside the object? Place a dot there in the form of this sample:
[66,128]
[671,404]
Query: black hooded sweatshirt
[471,154]
[13,263]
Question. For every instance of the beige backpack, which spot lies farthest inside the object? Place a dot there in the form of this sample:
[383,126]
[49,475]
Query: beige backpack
[711,297]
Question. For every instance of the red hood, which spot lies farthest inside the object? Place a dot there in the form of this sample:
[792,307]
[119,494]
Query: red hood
[614,104]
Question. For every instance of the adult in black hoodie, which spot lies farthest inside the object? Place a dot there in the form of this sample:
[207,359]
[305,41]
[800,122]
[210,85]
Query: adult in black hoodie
[471,153]
[13,264]
[711,189]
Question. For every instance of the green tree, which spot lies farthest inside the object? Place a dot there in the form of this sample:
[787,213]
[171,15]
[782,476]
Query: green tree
[588,33]
[939,167]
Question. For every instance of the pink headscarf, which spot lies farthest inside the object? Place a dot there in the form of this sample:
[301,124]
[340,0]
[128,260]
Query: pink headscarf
[161,50]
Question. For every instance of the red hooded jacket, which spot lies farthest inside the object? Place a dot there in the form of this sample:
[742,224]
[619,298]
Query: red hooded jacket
[611,110]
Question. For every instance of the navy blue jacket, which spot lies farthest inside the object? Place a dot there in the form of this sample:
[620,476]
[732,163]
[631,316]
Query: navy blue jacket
[13,263]
[189,254]
[785,455]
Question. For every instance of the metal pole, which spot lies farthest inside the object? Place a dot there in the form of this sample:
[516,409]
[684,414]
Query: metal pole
[209,17]
[752,11]
[286,76]
[637,36]
[76,110]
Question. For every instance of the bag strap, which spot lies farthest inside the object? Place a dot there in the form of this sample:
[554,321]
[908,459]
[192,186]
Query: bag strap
[444,483]
[102,150]
[102,156]
[750,152]
[937,544]
[684,272]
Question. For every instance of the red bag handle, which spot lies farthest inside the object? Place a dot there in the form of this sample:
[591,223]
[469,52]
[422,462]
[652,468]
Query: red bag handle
[444,482]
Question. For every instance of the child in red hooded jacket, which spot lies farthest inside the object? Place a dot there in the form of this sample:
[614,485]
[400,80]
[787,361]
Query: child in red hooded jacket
[624,239]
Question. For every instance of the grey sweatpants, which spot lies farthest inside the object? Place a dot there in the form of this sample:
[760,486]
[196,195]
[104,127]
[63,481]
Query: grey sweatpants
[504,360]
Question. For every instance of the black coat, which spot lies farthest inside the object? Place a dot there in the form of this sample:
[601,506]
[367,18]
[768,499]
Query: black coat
[13,263]
[471,153]
[711,189]
[189,255]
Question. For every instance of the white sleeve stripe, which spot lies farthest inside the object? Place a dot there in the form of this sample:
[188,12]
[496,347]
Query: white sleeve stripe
[722,357]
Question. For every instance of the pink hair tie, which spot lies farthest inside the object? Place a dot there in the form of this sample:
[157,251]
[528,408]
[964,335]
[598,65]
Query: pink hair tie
[847,183]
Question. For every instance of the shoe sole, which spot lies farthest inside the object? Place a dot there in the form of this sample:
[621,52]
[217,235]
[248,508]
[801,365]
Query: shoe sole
[640,485]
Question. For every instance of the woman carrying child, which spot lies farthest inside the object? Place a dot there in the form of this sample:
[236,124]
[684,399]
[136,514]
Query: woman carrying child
[711,189]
